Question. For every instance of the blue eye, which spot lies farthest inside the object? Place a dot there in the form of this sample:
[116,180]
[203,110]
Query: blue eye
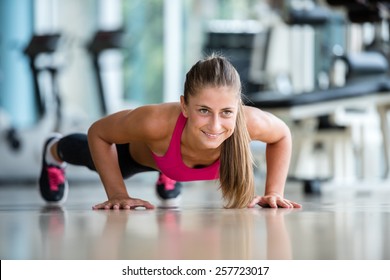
[203,111]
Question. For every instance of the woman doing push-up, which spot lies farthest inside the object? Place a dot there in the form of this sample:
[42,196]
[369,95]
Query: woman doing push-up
[205,136]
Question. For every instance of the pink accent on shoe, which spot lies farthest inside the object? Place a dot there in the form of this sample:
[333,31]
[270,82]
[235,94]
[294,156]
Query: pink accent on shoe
[168,183]
[56,177]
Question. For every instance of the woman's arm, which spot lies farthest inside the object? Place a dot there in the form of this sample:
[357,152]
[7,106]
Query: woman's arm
[121,127]
[275,133]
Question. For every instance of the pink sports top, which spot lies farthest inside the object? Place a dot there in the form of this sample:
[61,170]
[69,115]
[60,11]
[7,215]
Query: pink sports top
[172,165]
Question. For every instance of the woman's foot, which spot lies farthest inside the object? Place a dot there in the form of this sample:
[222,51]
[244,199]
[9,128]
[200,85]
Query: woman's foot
[52,182]
[168,191]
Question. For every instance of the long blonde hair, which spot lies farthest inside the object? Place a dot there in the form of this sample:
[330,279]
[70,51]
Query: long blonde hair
[236,162]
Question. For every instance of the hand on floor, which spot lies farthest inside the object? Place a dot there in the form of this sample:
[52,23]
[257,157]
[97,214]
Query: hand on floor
[273,201]
[123,203]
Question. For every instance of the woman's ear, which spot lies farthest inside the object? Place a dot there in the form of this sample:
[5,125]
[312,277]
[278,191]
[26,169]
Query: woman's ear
[183,106]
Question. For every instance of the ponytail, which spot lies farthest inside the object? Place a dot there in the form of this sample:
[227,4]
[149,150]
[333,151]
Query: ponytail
[236,169]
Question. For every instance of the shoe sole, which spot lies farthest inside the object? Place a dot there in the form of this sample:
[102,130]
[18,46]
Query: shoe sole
[170,203]
[62,200]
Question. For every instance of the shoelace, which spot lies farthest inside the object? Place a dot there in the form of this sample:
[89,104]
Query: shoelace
[168,183]
[56,177]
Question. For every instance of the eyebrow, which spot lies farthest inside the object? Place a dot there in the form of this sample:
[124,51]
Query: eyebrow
[207,107]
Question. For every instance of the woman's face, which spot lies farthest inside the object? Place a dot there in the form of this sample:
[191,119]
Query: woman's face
[211,114]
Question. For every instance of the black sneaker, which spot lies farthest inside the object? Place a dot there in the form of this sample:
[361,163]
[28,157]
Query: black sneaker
[168,191]
[52,183]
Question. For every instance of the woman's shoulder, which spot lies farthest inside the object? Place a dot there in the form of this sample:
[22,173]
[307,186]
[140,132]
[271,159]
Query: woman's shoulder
[253,114]
[257,121]
[160,113]
[264,126]
[158,119]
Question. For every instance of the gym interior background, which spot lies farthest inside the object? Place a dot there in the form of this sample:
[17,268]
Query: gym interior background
[322,66]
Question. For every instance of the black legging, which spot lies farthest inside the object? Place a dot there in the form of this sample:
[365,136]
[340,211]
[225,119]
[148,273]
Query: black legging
[74,149]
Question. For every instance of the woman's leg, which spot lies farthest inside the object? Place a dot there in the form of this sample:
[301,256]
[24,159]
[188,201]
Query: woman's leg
[74,149]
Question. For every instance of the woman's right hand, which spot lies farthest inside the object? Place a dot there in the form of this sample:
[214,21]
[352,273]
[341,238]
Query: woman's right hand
[125,203]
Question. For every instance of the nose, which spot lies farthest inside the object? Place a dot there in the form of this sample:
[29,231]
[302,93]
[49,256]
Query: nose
[215,124]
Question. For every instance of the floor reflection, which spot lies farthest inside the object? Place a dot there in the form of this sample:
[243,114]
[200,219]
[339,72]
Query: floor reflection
[344,226]
[166,234]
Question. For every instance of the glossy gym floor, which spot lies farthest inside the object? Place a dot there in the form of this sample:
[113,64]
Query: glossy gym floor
[340,224]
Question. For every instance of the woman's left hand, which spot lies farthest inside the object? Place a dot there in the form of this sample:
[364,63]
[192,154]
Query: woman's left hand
[273,201]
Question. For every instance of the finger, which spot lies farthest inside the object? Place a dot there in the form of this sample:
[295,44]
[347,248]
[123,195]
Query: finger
[296,205]
[98,206]
[290,205]
[149,206]
[141,203]
[126,207]
[272,202]
[254,201]
[293,205]
[264,202]
[284,203]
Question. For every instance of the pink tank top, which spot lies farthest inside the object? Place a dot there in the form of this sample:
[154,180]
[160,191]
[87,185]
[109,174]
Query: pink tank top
[172,165]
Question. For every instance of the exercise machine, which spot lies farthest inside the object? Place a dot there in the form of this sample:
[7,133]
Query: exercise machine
[21,149]
[314,114]
[102,41]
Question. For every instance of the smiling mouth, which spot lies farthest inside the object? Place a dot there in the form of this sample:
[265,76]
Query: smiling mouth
[212,135]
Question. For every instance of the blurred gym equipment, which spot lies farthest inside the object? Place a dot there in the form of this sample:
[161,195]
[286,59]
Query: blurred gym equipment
[20,149]
[313,115]
[101,42]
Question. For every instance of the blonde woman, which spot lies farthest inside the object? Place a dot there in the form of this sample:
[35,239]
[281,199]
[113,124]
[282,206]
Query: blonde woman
[205,136]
